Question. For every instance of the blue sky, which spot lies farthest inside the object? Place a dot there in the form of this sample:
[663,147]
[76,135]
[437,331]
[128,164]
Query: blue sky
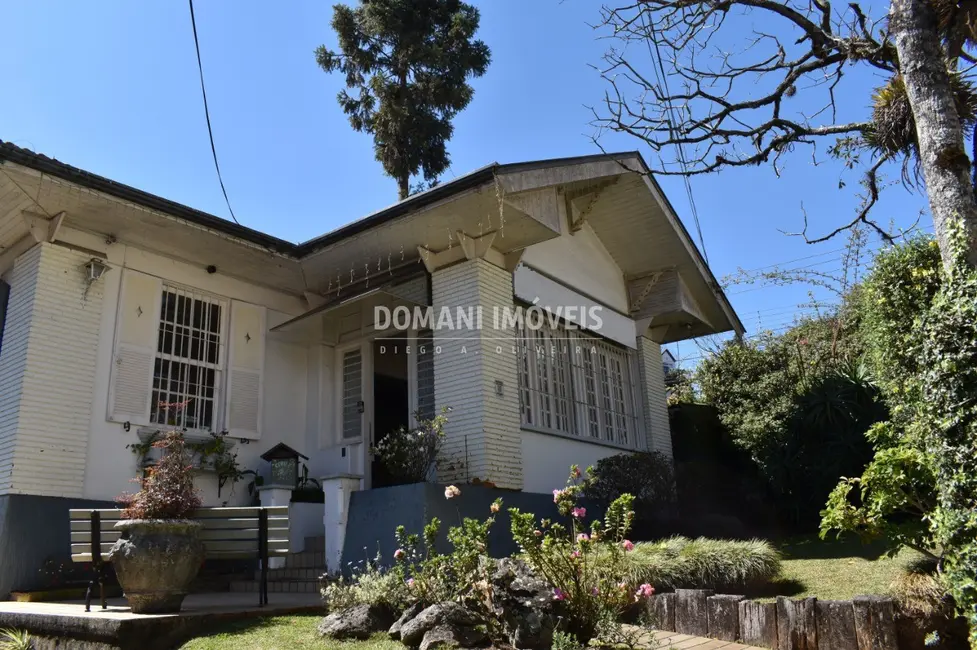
[112,87]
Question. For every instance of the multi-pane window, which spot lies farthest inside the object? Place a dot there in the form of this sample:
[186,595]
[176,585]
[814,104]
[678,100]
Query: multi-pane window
[353,394]
[189,360]
[425,375]
[574,383]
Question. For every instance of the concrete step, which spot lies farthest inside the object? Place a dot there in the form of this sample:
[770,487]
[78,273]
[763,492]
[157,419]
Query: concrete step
[306,560]
[277,586]
[292,574]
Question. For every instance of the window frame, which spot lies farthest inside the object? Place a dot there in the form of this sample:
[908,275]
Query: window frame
[219,367]
[573,400]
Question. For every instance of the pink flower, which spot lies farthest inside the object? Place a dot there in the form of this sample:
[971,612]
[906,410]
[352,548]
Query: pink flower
[538,533]
[494,508]
[579,513]
[628,545]
[576,472]
[558,594]
[557,494]
[410,582]
[399,554]
[644,591]
[595,591]
[576,555]
[451,492]
[583,537]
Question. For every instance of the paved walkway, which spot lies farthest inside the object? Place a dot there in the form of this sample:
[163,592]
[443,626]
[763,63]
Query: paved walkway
[194,605]
[677,641]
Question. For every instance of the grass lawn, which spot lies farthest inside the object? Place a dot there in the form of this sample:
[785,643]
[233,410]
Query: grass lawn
[835,570]
[280,633]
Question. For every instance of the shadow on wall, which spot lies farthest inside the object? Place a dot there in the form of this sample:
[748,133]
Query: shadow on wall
[33,529]
[375,514]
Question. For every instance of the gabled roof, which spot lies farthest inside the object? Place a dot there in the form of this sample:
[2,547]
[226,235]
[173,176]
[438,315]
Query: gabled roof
[630,163]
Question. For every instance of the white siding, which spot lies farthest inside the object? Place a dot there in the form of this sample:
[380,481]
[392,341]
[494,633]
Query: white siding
[483,428]
[13,356]
[653,393]
[55,401]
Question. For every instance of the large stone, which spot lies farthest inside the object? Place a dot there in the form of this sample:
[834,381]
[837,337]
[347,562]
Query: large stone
[408,615]
[446,637]
[155,561]
[446,614]
[357,622]
[524,605]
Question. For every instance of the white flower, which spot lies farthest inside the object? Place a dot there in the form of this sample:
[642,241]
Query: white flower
[451,492]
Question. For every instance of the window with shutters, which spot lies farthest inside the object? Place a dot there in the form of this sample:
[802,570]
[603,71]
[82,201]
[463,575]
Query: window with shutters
[425,375]
[352,394]
[189,363]
[577,384]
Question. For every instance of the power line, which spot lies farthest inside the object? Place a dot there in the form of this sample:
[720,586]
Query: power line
[210,130]
[663,81]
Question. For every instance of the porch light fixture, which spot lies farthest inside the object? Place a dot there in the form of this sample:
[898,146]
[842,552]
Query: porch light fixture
[95,269]
[284,464]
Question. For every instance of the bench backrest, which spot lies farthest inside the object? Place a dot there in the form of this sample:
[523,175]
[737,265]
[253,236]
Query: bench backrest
[227,532]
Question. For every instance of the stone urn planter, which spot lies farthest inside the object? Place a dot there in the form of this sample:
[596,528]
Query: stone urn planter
[155,562]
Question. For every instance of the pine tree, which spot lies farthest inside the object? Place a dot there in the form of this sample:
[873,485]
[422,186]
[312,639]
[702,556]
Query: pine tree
[408,63]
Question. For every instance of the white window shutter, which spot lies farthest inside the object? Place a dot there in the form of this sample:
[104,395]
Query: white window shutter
[136,334]
[246,361]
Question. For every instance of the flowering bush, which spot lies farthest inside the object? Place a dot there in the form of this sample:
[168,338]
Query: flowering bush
[584,565]
[461,575]
[373,585]
[167,490]
[409,455]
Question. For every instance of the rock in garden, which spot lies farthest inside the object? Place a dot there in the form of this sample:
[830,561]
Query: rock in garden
[446,637]
[446,614]
[409,614]
[524,605]
[357,622]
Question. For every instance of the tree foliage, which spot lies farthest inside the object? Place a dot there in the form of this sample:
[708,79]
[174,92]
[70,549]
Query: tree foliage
[799,404]
[408,63]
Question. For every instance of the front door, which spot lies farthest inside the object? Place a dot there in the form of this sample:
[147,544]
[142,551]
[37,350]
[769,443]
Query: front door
[391,396]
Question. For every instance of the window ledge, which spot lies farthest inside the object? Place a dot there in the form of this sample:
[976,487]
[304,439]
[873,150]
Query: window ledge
[588,441]
[190,435]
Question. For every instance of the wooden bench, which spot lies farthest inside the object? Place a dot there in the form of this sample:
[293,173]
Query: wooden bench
[228,533]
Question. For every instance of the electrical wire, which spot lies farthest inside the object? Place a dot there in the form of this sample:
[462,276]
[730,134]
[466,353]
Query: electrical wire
[210,130]
[663,81]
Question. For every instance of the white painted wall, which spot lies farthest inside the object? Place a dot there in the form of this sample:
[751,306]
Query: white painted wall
[547,459]
[580,261]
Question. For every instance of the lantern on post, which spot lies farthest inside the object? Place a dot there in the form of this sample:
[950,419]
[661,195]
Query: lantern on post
[284,464]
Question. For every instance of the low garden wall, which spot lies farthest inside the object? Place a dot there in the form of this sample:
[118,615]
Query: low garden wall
[863,623]
[375,514]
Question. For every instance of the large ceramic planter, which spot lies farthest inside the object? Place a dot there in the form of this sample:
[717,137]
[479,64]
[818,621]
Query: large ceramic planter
[155,562]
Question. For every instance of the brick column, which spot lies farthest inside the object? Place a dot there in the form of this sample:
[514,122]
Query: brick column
[475,373]
[652,393]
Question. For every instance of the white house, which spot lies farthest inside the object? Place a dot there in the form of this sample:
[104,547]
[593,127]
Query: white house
[279,342]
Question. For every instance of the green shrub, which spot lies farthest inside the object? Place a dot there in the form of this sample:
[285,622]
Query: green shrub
[374,585]
[15,640]
[648,476]
[681,563]
[410,455]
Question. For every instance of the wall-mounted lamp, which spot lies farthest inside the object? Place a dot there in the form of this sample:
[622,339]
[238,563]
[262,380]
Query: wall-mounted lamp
[95,269]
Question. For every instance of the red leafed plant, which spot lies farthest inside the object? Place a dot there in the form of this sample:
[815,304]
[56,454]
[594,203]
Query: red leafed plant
[166,492]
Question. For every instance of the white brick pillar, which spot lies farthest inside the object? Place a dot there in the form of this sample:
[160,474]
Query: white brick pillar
[475,374]
[654,406]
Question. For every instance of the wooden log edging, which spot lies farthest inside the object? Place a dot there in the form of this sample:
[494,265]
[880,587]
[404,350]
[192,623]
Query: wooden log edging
[863,623]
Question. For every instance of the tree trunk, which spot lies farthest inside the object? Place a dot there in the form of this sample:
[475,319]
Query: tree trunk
[403,186]
[946,167]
